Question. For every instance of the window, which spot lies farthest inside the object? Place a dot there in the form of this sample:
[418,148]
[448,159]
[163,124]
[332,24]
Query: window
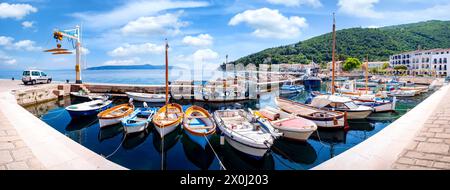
[445,60]
[445,67]
[440,67]
[435,60]
[351,105]
[26,73]
[35,73]
[440,60]
[43,74]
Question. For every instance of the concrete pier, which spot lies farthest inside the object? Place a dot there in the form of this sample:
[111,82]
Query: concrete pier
[420,139]
[26,142]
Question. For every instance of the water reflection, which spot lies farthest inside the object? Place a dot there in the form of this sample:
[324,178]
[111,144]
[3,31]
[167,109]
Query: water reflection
[85,122]
[109,132]
[134,139]
[199,156]
[294,151]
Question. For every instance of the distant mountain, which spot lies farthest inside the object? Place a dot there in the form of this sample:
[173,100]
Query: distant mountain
[377,43]
[130,67]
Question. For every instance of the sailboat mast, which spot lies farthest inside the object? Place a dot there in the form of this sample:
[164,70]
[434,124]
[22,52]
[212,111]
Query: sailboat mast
[167,74]
[367,73]
[333,57]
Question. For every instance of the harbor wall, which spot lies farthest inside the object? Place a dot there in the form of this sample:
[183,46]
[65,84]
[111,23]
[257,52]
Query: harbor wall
[40,94]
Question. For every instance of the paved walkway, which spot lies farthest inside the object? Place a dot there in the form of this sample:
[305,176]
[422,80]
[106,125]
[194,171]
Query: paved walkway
[430,149]
[14,153]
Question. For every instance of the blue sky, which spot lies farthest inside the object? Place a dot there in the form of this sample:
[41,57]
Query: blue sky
[200,32]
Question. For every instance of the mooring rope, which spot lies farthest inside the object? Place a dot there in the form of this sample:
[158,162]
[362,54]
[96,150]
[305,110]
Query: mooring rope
[215,154]
[123,140]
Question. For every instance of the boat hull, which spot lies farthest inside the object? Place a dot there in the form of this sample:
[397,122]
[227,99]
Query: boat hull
[146,99]
[107,122]
[252,151]
[163,131]
[296,135]
[135,129]
[358,114]
[73,113]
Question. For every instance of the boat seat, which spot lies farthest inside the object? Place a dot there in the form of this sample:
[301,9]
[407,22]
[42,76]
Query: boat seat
[196,117]
[202,127]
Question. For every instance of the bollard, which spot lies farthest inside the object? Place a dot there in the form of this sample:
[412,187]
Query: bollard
[12,78]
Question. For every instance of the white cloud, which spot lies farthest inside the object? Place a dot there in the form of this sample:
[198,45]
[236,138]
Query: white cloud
[136,49]
[200,40]
[373,26]
[26,45]
[5,59]
[359,8]
[296,3]
[270,23]
[17,11]
[132,10]
[6,41]
[133,61]
[27,24]
[366,9]
[200,56]
[84,51]
[167,24]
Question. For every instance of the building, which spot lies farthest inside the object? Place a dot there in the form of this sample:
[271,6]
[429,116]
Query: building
[378,64]
[424,62]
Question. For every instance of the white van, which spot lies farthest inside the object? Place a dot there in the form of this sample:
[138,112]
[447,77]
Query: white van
[35,76]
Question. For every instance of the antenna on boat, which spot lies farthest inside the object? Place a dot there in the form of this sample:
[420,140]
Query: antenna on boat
[333,57]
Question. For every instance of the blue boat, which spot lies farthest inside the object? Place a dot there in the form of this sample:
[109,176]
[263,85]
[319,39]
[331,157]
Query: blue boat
[88,108]
[290,88]
[138,120]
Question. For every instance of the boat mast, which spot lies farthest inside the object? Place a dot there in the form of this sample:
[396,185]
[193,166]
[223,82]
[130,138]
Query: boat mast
[333,52]
[167,75]
[367,73]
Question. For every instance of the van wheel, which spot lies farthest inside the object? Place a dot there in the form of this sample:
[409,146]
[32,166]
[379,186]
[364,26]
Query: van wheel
[49,81]
[33,82]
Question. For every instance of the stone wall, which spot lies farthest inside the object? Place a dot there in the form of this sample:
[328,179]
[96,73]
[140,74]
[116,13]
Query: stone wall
[41,94]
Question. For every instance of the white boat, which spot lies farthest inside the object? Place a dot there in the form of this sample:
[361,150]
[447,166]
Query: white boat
[403,93]
[113,115]
[138,120]
[343,104]
[84,95]
[243,133]
[145,97]
[167,121]
[380,105]
[291,127]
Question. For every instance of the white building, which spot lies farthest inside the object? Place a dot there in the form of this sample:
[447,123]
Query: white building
[427,62]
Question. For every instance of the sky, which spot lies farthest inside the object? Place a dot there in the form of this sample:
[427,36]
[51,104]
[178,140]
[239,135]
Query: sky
[199,32]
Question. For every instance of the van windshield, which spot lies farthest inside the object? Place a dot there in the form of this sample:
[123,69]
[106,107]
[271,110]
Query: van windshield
[26,73]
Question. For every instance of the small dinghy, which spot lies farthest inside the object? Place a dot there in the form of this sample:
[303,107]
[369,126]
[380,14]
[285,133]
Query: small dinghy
[88,108]
[113,115]
[168,118]
[86,96]
[199,125]
[243,132]
[292,127]
[145,97]
[138,120]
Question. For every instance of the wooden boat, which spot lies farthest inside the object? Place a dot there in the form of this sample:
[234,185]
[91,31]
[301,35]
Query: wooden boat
[419,89]
[113,115]
[322,118]
[242,133]
[145,97]
[88,108]
[291,126]
[343,104]
[166,123]
[199,125]
[138,120]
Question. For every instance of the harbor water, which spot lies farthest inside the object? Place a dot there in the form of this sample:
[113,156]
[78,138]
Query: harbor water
[146,151]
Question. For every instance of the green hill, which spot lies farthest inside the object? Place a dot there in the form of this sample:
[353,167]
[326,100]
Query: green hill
[377,43]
